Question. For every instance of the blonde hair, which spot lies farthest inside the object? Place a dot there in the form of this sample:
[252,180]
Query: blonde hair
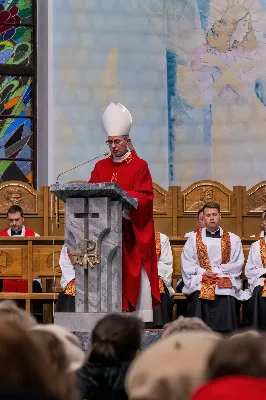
[11,312]
[223,29]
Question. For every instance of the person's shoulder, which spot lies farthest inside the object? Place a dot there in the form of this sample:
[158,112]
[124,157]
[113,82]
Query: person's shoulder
[141,162]
[235,237]
[163,237]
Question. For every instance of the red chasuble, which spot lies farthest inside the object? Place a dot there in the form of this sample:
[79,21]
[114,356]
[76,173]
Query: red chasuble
[139,246]
[16,285]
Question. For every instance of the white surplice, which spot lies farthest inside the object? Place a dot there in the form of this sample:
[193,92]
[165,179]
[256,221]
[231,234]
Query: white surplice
[67,268]
[165,263]
[192,272]
[254,269]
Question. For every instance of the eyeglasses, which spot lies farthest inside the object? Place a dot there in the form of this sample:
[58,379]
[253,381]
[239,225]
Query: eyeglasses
[116,141]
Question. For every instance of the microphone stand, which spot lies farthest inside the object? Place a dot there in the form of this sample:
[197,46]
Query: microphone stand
[106,153]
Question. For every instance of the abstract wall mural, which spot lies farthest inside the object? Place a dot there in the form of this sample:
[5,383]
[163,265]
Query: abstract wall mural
[216,64]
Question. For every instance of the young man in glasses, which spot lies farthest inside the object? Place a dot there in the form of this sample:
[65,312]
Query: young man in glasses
[140,272]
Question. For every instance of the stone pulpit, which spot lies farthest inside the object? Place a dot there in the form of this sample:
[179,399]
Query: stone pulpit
[93,234]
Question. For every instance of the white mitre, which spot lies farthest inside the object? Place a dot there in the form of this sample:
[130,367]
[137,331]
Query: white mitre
[117,120]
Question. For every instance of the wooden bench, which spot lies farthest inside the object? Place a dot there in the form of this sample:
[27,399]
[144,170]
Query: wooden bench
[32,258]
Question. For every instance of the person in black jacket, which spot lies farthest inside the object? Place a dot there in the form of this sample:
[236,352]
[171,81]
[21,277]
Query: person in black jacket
[115,341]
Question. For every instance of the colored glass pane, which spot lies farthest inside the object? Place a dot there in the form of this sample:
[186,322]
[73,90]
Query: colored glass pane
[15,96]
[17,138]
[16,170]
[15,45]
[16,12]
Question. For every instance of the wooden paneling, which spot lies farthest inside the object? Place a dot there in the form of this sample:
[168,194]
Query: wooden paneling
[175,210]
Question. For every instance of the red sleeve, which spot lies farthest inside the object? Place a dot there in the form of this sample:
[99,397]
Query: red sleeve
[142,217]
[93,178]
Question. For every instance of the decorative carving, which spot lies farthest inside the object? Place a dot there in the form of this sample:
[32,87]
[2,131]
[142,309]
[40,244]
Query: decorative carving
[88,256]
[197,195]
[257,198]
[159,201]
[18,194]
[5,261]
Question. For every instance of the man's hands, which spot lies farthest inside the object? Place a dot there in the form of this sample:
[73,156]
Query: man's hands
[210,274]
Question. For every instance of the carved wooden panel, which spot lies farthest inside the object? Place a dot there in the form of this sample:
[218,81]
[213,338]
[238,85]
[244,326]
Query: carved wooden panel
[46,261]
[18,193]
[257,198]
[177,251]
[160,199]
[11,262]
[200,193]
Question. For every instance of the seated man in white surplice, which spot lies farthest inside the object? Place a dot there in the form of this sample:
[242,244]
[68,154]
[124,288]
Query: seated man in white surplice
[212,261]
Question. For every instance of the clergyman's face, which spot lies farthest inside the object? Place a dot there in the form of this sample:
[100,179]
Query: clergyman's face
[117,145]
[212,219]
[15,221]
[201,220]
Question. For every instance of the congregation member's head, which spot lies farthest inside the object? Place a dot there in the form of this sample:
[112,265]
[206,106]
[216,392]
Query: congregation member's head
[241,355]
[65,356]
[117,122]
[172,368]
[263,220]
[201,220]
[24,366]
[185,324]
[116,337]
[10,310]
[115,341]
[212,216]
[15,218]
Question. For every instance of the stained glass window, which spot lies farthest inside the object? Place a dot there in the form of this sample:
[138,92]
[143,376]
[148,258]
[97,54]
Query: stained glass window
[17,90]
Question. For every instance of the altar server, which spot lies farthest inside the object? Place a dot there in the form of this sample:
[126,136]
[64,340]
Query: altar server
[212,261]
[200,222]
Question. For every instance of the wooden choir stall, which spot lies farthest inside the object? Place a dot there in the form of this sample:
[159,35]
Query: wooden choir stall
[175,213]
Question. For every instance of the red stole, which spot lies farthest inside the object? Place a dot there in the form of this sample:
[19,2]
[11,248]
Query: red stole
[16,285]
[139,248]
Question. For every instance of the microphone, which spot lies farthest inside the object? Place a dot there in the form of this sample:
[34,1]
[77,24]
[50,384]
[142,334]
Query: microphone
[106,153]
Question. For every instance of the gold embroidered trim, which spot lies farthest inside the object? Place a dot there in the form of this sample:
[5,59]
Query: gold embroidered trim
[114,177]
[161,285]
[263,261]
[207,290]
[70,289]
[158,245]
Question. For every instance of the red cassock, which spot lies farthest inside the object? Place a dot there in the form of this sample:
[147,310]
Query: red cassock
[16,285]
[139,246]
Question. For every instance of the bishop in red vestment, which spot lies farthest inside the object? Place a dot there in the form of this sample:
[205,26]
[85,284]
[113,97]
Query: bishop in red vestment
[132,174]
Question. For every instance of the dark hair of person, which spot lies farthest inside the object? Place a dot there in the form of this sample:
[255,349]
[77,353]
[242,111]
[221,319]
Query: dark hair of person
[211,204]
[244,355]
[116,337]
[23,362]
[14,209]
[200,211]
